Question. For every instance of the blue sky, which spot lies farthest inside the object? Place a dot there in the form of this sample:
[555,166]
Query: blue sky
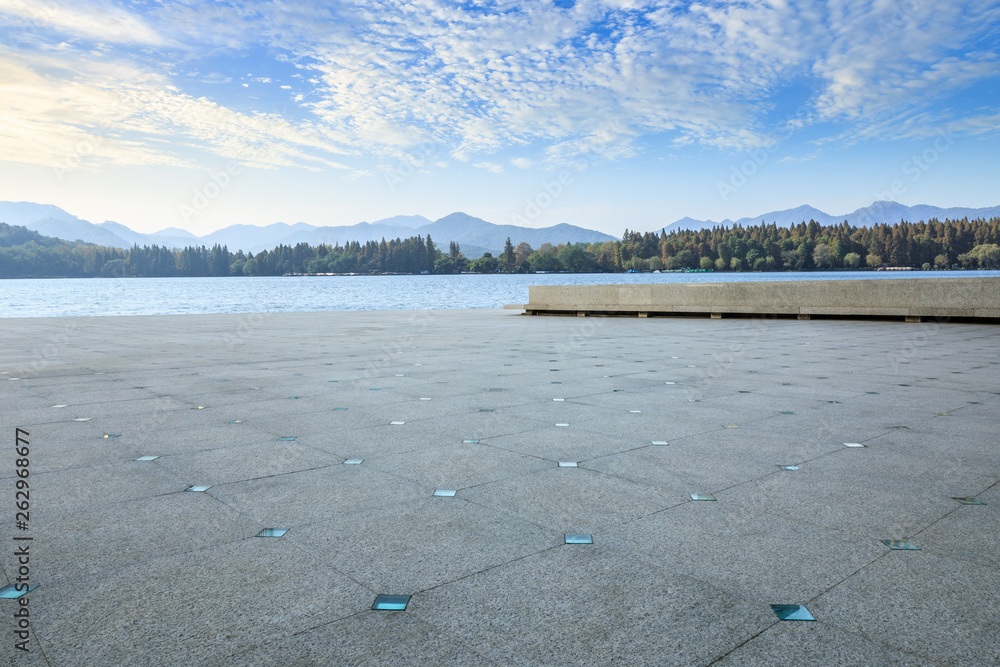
[602,113]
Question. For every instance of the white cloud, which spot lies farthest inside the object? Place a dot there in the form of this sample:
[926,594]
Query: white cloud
[101,21]
[795,159]
[522,162]
[99,114]
[490,167]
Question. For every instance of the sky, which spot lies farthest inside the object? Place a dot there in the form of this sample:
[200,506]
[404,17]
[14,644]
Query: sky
[607,114]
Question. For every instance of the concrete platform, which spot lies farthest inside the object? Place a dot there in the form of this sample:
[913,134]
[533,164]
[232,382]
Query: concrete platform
[132,569]
[966,299]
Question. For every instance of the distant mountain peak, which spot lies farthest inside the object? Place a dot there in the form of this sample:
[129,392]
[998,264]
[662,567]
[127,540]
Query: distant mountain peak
[411,221]
[175,231]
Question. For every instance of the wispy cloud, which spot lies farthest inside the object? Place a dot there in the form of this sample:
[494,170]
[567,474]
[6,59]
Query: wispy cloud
[492,167]
[567,83]
[103,22]
[50,110]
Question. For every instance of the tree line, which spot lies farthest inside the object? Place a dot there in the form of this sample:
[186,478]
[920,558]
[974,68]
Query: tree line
[803,247]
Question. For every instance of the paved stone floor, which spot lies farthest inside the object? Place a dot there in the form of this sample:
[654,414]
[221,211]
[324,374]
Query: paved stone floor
[265,410]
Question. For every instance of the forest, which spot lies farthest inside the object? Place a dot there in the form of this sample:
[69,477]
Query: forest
[808,246]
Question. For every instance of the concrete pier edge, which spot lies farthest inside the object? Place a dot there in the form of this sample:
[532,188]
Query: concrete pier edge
[912,300]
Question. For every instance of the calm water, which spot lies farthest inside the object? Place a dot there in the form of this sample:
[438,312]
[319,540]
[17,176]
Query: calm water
[160,296]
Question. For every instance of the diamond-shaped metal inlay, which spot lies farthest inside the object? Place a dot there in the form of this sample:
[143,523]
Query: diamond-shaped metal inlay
[272,532]
[578,539]
[391,603]
[792,612]
[11,592]
[901,545]
[969,501]
[702,496]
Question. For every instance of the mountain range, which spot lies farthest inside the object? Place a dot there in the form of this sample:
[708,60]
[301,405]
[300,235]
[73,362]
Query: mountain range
[474,235]
[880,212]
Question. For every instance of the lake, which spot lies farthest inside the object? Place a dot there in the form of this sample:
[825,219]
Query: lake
[83,297]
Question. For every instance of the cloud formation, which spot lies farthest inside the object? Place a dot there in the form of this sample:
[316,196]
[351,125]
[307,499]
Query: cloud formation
[554,82]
